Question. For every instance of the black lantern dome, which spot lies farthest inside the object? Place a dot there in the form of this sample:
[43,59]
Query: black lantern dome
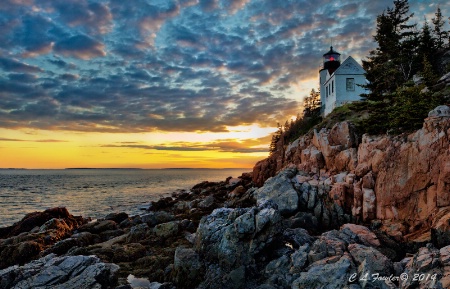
[331,60]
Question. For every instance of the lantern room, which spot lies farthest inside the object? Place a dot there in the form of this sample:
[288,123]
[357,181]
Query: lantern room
[331,60]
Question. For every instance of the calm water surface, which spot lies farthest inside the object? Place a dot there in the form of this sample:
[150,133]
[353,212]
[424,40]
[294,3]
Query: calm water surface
[94,192]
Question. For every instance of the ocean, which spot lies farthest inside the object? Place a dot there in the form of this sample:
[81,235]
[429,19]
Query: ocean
[94,192]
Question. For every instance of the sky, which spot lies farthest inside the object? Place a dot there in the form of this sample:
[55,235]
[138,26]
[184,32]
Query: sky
[165,83]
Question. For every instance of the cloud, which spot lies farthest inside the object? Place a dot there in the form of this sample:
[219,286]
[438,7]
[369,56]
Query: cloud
[25,140]
[49,140]
[14,65]
[45,48]
[62,64]
[80,46]
[23,77]
[209,5]
[184,65]
[235,5]
[144,19]
[221,145]
[95,18]
[35,35]
[10,139]
[69,77]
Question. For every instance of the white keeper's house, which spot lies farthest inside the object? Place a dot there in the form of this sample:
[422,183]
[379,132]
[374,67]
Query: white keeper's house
[340,83]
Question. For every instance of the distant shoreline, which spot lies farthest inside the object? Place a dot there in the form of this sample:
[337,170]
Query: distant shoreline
[102,169]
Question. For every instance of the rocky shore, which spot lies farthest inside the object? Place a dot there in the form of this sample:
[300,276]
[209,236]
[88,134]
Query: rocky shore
[330,210]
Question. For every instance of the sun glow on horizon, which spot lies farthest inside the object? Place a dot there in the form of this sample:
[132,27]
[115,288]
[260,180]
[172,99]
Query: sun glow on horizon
[241,147]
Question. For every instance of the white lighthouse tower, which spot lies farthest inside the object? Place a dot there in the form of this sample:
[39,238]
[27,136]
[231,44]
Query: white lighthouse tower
[340,83]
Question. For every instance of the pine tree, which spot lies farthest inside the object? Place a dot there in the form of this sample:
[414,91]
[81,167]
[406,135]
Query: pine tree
[428,51]
[406,57]
[275,139]
[395,59]
[311,103]
[380,70]
[399,17]
[439,33]
[273,144]
[428,45]
[287,125]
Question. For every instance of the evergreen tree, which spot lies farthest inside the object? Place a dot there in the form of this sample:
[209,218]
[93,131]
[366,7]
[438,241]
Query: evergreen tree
[395,59]
[399,18]
[428,51]
[427,46]
[287,125]
[275,139]
[439,33]
[406,58]
[311,103]
[273,144]
[381,72]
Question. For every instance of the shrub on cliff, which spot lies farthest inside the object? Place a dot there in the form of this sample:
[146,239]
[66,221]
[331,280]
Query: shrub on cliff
[410,107]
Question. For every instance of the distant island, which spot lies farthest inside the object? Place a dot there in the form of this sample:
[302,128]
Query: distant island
[103,169]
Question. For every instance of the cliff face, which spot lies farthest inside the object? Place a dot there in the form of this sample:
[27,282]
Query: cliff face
[404,181]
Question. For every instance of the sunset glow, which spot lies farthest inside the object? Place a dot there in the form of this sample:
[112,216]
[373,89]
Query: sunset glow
[50,149]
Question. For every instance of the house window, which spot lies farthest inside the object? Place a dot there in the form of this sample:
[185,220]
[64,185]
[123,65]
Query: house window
[332,86]
[350,84]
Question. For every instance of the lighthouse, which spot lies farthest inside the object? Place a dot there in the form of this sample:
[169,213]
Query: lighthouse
[340,83]
[331,60]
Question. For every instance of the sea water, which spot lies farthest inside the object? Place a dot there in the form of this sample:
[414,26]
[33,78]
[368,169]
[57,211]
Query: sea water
[94,192]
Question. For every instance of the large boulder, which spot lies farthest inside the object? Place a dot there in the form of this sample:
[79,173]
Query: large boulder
[371,263]
[336,146]
[98,227]
[158,217]
[232,237]
[428,268]
[332,273]
[138,233]
[37,219]
[188,270]
[343,133]
[440,111]
[280,190]
[166,230]
[366,236]
[36,232]
[61,273]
